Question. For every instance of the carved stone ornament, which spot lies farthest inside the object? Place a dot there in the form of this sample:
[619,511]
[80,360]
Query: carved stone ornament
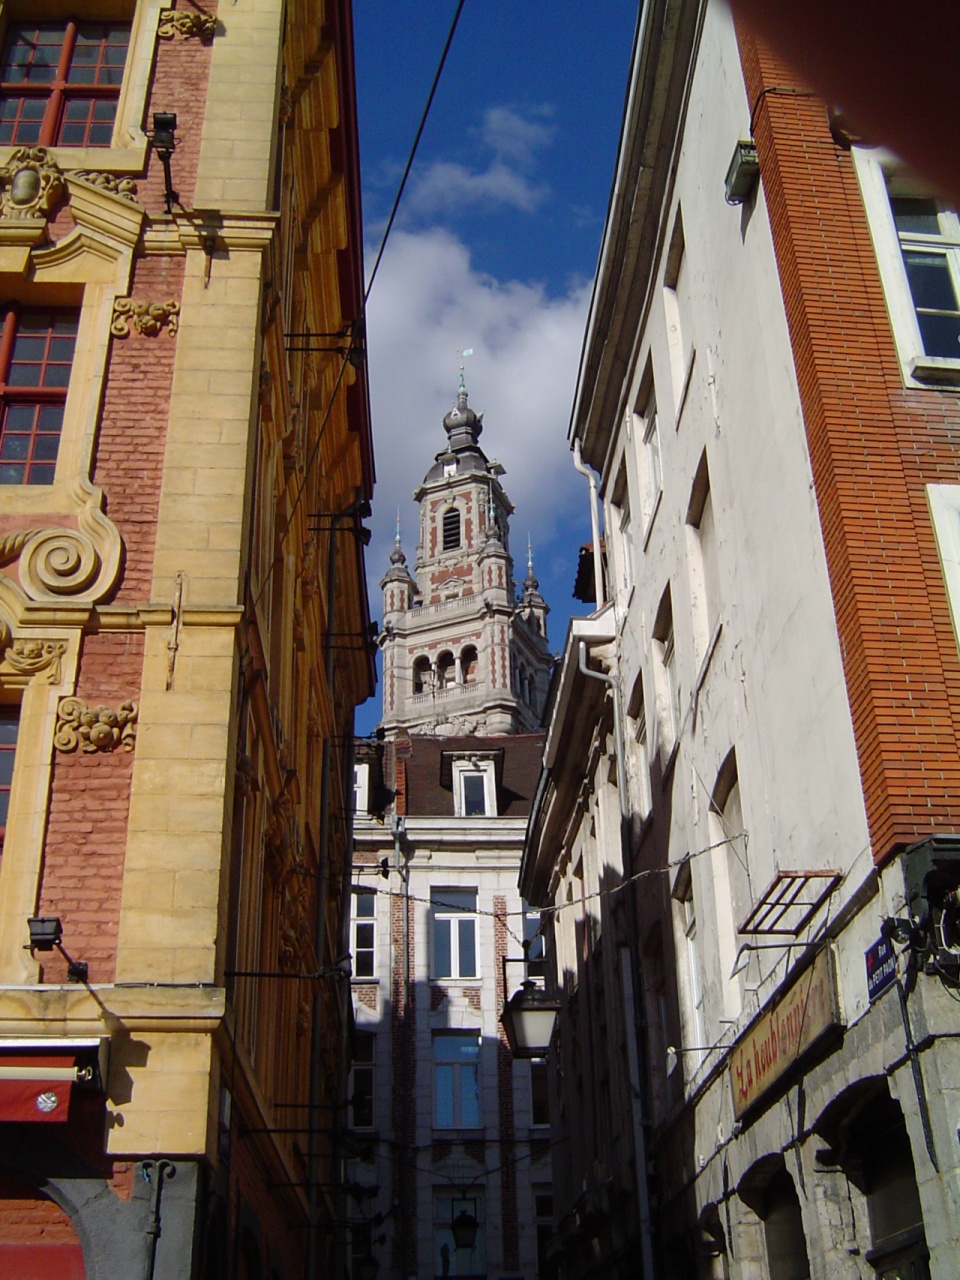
[31,184]
[31,657]
[125,188]
[186,25]
[146,317]
[95,728]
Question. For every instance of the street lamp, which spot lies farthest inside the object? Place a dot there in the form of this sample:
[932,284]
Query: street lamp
[528,1018]
[366,1268]
[464,1229]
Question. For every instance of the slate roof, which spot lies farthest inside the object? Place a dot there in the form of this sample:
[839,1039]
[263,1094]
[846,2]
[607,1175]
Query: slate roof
[426,782]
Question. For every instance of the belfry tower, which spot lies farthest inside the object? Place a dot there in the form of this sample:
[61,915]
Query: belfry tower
[463,653]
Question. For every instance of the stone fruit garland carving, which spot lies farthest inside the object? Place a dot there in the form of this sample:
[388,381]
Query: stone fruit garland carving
[186,25]
[146,317]
[95,728]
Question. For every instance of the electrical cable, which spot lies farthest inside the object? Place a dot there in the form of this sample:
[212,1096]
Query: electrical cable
[358,323]
[413,151]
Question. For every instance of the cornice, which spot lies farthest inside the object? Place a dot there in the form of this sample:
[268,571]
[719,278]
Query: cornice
[251,232]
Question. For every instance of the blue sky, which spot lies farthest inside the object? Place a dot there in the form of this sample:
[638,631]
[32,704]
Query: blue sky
[495,249]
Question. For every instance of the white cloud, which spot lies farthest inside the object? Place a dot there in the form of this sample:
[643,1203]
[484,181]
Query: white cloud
[429,301]
[447,188]
[510,133]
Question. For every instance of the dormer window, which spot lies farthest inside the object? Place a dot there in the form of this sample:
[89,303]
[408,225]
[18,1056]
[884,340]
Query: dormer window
[474,788]
[451,529]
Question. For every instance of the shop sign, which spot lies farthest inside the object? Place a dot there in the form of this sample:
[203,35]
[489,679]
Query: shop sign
[782,1035]
[881,961]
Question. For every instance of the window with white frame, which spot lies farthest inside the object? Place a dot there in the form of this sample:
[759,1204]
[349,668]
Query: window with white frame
[917,242]
[364,926]
[474,788]
[702,561]
[944,503]
[683,893]
[533,945]
[677,308]
[456,1079]
[454,932]
[663,636]
[363,1082]
[448,1259]
[621,513]
[361,788]
[638,757]
[539,1092]
[651,448]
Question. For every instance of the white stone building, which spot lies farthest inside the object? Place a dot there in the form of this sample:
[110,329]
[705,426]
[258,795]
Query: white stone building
[443,1123]
[746,824]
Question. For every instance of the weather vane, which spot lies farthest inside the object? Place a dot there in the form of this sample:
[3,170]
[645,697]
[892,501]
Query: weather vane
[463,352]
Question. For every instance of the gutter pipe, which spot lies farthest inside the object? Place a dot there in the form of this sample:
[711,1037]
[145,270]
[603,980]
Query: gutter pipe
[595,533]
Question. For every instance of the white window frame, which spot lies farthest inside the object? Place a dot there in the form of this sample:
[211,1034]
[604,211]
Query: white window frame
[874,170]
[944,503]
[457,1070]
[644,797]
[361,789]
[671,683]
[450,916]
[356,920]
[654,459]
[472,767]
[362,1066]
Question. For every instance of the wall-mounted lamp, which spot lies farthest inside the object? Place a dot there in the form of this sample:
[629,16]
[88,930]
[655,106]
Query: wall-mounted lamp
[741,173]
[46,933]
[163,136]
[528,1018]
[366,1268]
[464,1226]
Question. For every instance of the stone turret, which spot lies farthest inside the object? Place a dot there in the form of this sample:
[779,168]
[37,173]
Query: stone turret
[461,653]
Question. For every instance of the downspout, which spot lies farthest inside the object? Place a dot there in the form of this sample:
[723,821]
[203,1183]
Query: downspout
[344,993]
[402,867]
[639,1123]
[320,919]
[594,527]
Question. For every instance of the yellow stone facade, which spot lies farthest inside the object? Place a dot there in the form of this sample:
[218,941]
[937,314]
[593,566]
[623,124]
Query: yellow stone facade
[206,884]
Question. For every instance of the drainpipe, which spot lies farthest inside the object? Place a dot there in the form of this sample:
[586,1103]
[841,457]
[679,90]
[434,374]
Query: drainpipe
[401,862]
[594,526]
[639,1130]
[320,916]
[344,996]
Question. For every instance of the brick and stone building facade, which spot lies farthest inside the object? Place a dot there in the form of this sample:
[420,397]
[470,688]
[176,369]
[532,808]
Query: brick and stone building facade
[181,476]
[443,1120]
[755,824]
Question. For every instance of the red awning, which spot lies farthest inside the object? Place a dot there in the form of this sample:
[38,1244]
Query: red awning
[43,1089]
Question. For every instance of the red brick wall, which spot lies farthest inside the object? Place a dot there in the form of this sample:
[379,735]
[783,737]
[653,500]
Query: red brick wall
[873,444]
[87,828]
[133,427]
[179,84]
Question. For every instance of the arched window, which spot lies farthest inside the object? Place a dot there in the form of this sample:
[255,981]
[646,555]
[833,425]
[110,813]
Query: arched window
[468,665]
[421,675]
[445,670]
[451,529]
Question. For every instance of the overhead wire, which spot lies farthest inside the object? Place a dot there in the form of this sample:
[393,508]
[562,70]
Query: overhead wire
[357,326]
